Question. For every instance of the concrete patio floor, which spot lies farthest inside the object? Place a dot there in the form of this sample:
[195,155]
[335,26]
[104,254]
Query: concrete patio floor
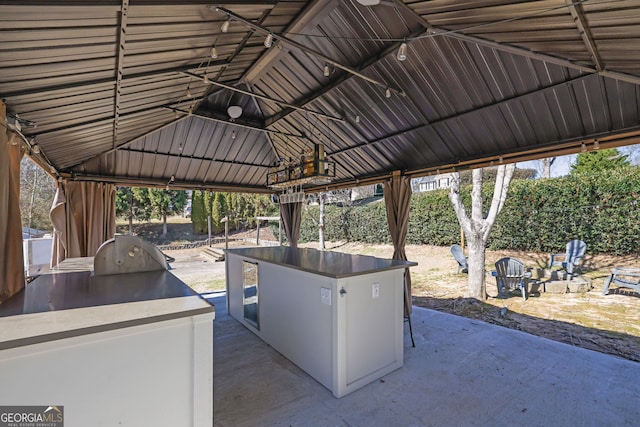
[462,372]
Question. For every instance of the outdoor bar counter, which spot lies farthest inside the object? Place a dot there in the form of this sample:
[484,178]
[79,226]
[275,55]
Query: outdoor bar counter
[128,349]
[339,317]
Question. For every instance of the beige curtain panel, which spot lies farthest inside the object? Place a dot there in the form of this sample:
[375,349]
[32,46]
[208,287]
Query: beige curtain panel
[291,215]
[83,216]
[397,198]
[11,261]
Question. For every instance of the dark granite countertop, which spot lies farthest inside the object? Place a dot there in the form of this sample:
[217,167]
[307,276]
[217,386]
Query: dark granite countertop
[336,265]
[53,292]
[63,305]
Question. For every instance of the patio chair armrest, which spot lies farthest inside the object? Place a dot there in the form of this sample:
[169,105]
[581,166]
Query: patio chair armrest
[553,259]
[625,271]
[494,273]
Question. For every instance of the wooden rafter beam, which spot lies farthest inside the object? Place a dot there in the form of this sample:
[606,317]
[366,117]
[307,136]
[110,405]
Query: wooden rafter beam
[577,14]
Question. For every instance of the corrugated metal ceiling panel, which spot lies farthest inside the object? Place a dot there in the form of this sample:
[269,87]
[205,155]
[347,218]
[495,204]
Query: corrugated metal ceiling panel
[515,76]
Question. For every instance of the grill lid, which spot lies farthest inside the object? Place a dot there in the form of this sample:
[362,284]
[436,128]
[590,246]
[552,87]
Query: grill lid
[127,254]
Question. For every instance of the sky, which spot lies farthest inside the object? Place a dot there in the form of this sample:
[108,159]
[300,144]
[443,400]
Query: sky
[562,165]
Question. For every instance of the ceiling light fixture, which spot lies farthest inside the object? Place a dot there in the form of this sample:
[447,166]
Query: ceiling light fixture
[387,93]
[234,111]
[214,52]
[402,52]
[369,2]
[268,41]
[225,26]
[327,70]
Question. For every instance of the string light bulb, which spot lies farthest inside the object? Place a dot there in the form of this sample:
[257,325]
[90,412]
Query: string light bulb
[402,52]
[583,148]
[35,149]
[225,26]
[268,41]
[596,145]
[387,93]
[327,70]
[206,79]
[233,135]
[188,94]
[214,52]
[357,118]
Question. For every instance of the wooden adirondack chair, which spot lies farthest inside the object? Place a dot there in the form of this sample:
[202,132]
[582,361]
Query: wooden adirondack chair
[458,254]
[571,260]
[510,273]
[623,277]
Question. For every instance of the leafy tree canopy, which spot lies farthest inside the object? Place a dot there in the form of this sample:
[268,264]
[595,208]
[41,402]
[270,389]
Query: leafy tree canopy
[599,160]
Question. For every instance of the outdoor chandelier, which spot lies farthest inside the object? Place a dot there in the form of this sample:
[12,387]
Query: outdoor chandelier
[312,168]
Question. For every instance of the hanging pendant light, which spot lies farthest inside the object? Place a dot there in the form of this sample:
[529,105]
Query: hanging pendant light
[402,52]
[268,41]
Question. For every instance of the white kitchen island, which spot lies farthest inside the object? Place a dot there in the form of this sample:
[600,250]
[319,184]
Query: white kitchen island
[128,349]
[337,316]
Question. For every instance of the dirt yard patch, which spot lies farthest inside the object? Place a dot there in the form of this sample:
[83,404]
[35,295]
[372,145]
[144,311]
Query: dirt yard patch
[608,324]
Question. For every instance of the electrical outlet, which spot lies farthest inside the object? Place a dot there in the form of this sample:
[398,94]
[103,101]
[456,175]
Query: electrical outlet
[325,296]
[375,290]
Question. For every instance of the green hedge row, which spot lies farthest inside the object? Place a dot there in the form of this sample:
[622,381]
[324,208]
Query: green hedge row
[539,215]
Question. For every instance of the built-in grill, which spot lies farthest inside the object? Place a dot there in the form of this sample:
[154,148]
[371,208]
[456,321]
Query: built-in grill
[127,254]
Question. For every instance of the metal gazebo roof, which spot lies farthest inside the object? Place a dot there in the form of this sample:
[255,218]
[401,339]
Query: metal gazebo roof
[129,91]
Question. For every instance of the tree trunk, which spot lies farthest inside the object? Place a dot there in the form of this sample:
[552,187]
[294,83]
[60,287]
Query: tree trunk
[476,285]
[321,223]
[33,198]
[131,213]
[164,224]
[478,226]
[546,166]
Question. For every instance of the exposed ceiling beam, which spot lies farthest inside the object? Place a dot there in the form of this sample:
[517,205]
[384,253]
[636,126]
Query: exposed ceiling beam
[338,81]
[122,41]
[264,98]
[179,156]
[111,80]
[162,182]
[460,114]
[303,48]
[211,116]
[559,148]
[312,14]
[441,32]
[585,32]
